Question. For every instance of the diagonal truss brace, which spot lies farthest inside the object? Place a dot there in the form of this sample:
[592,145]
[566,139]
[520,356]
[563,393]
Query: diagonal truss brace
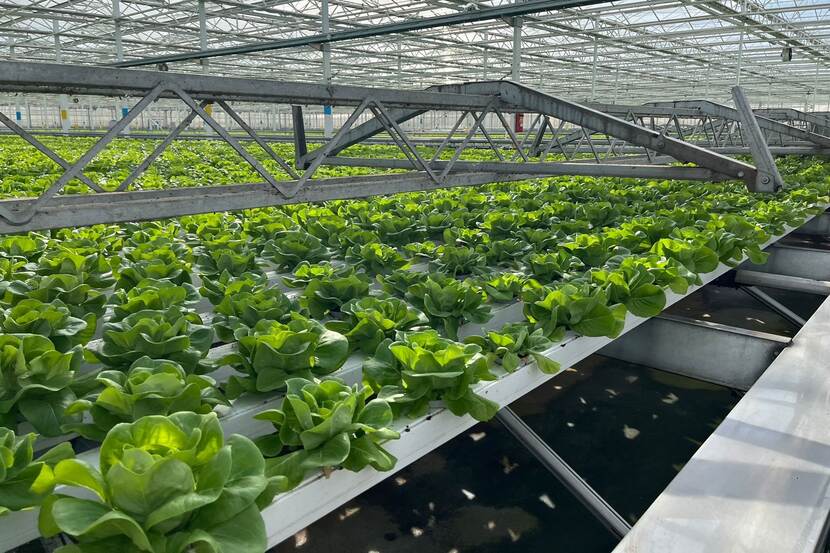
[768,178]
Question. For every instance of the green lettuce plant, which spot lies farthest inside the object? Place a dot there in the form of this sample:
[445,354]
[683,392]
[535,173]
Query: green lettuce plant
[396,230]
[240,311]
[697,258]
[325,424]
[288,249]
[305,272]
[633,287]
[13,269]
[398,282]
[236,261]
[324,295]
[25,482]
[93,269]
[27,246]
[36,382]
[51,320]
[449,303]
[422,367]
[458,260]
[505,253]
[215,288]
[174,334]
[81,299]
[274,352]
[152,294]
[149,387]
[164,485]
[583,309]
[516,341]
[504,287]
[368,321]
[130,274]
[375,258]
[553,266]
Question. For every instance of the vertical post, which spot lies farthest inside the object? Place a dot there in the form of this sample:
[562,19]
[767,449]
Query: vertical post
[328,117]
[300,145]
[741,45]
[516,67]
[594,64]
[116,17]
[768,179]
[708,92]
[63,99]
[202,31]
[17,115]
[484,60]
[400,63]
[119,55]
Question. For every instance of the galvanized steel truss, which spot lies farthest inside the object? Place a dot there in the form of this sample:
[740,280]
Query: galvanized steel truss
[388,108]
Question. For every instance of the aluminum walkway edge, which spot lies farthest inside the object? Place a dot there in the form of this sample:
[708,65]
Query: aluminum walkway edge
[761,482]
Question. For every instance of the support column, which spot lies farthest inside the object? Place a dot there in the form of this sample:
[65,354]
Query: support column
[594,64]
[63,99]
[18,117]
[121,106]
[516,67]
[484,60]
[203,32]
[741,46]
[328,117]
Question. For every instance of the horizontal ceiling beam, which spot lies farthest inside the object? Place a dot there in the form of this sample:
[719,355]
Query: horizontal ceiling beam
[511,10]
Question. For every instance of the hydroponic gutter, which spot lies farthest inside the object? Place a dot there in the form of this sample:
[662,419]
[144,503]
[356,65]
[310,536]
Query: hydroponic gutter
[320,495]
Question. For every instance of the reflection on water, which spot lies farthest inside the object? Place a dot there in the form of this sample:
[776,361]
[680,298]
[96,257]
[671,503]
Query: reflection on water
[627,429]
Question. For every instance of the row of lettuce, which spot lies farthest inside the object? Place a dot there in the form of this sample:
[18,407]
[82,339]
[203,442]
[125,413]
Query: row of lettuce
[393,278]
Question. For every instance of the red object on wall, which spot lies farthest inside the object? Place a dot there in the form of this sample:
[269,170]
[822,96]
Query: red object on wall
[519,125]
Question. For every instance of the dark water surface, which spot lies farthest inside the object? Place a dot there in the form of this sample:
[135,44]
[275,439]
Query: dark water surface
[627,429]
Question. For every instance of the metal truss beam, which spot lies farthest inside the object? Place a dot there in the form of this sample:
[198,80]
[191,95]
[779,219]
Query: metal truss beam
[68,79]
[88,209]
[684,346]
[713,109]
[525,99]
[591,169]
[388,107]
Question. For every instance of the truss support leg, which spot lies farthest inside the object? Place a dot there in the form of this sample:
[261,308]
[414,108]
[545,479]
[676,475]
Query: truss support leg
[300,144]
[768,179]
[609,518]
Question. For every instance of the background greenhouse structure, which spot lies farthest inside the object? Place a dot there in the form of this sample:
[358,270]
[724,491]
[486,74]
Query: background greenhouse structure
[433,276]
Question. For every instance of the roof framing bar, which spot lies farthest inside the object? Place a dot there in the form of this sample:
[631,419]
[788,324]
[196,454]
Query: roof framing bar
[510,10]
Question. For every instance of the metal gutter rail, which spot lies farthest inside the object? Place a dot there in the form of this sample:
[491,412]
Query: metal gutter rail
[760,483]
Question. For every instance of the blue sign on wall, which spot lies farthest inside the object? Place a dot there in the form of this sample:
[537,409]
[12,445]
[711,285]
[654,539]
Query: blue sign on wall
[327,110]
[18,116]
[125,111]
